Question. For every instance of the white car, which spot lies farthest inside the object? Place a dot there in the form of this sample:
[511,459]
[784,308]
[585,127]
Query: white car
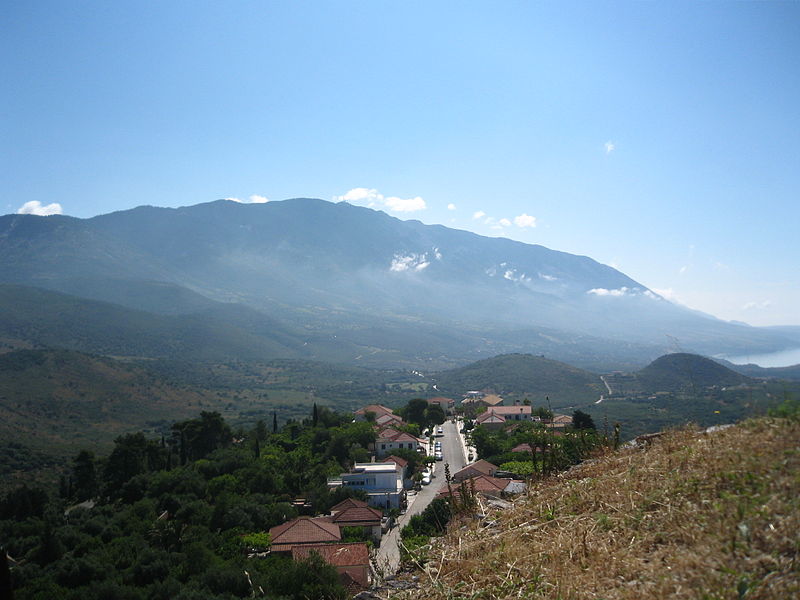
[439,431]
[438,455]
[426,477]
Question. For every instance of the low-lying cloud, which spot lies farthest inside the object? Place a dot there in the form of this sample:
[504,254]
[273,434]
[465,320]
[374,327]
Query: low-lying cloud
[253,199]
[34,207]
[372,198]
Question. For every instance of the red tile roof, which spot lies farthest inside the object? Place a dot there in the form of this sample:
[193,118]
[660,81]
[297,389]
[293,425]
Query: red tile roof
[338,555]
[378,409]
[357,515]
[396,459]
[350,560]
[481,467]
[440,399]
[524,447]
[521,409]
[304,530]
[481,483]
[349,503]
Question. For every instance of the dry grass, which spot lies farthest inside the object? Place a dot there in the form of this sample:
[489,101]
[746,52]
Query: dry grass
[706,516]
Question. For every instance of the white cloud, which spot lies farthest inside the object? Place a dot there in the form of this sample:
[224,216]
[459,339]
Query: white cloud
[547,277]
[451,206]
[405,204]
[34,207]
[525,220]
[253,199]
[683,269]
[479,214]
[409,262]
[372,198]
[623,291]
[505,222]
[436,254]
[609,146]
[757,305]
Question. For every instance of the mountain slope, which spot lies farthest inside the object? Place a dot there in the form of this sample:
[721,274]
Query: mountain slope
[32,316]
[334,269]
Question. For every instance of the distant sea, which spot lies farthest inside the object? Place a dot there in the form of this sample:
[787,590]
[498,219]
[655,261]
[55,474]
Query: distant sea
[784,358]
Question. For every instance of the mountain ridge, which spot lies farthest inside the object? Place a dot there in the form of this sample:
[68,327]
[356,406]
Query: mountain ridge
[336,268]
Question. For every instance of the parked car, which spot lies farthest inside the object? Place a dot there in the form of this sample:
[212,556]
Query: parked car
[439,431]
[386,524]
[426,477]
[438,455]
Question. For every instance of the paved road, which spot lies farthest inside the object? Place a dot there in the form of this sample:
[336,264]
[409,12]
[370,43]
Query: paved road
[388,555]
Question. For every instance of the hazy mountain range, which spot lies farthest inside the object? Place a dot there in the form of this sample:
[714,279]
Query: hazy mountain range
[313,279]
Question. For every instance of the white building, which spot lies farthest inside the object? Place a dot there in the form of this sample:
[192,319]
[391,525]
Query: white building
[383,483]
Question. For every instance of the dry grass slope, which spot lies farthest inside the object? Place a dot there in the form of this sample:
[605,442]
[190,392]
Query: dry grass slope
[694,515]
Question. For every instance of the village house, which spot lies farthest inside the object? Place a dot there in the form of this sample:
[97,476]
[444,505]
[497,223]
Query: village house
[350,560]
[303,531]
[389,421]
[490,420]
[376,410]
[446,404]
[472,404]
[484,485]
[402,467]
[481,467]
[357,513]
[383,483]
[390,439]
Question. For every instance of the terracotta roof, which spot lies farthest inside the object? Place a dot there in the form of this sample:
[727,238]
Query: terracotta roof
[378,409]
[338,555]
[383,419]
[350,560]
[481,467]
[388,433]
[524,447]
[304,530]
[490,417]
[481,483]
[357,515]
[396,459]
[396,436]
[440,399]
[492,399]
[349,503]
[520,409]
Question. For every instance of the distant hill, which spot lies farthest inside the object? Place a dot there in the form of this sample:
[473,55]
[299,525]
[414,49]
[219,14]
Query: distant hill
[523,375]
[682,371]
[682,388]
[360,284]
[750,370]
[55,400]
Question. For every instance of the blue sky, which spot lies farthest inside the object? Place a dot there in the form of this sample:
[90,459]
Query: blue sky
[660,138]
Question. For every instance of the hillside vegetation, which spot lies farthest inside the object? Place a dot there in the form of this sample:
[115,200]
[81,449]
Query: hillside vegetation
[524,375]
[682,371]
[693,515]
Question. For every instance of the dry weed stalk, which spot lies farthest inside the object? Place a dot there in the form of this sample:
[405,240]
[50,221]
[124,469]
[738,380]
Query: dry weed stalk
[694,515]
